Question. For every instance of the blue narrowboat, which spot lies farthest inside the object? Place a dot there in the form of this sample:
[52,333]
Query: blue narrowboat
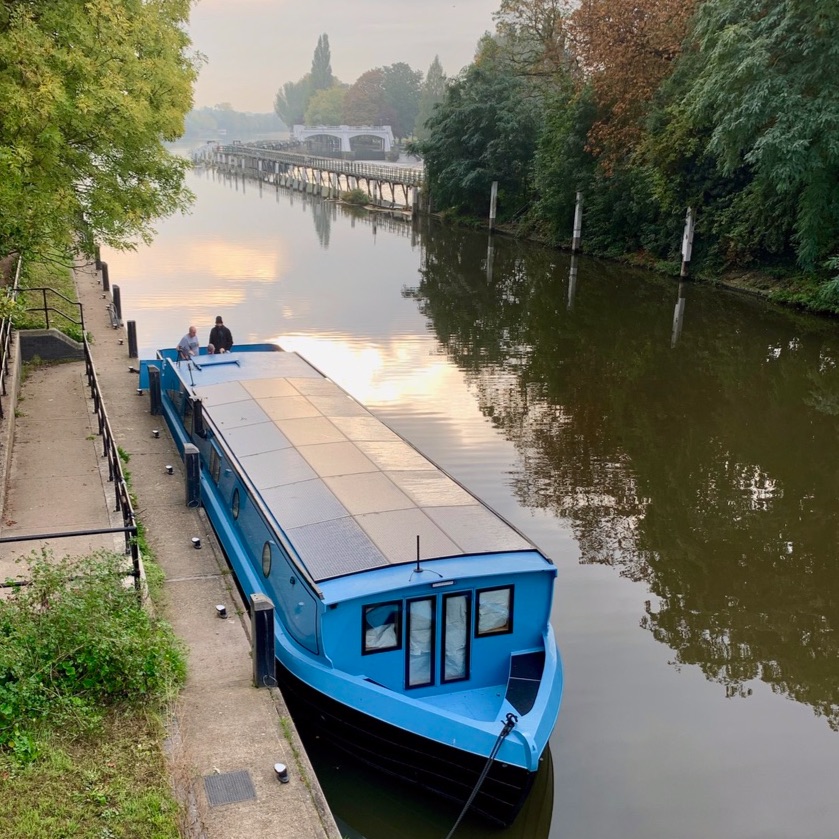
[412,623]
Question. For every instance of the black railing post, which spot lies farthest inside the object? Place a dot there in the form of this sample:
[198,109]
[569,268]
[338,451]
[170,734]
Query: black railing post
[155,393]
[117,305]
[192,467]
[262,641]
[132,339]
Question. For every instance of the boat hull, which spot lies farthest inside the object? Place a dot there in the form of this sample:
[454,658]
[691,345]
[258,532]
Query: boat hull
[442,770]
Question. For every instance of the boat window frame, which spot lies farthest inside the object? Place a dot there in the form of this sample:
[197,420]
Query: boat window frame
[432,667]
[235,504]
[505,630]
[467,657]
[266,551]
[398,606]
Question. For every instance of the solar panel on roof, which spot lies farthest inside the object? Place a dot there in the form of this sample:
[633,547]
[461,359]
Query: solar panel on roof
[347,491]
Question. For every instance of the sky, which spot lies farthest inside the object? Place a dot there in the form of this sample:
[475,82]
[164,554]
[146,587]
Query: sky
[252,47]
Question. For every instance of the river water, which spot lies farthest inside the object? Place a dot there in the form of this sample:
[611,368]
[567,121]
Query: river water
[673,450]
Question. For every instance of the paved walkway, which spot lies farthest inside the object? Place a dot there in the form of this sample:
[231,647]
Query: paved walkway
[226,735]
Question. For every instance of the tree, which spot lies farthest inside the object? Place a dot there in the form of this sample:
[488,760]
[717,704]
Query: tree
[88,94]
[321,77]
[365,102]
[401,87]
[485,130]
[626,49]
[326,107]
[431,94]
[292,100]
[535,34]
[769,87]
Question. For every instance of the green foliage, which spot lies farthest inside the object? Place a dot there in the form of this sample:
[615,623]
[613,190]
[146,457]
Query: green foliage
[768,84]
[109,783]
[206,123]
[89,92]
[401,87]
[431,94]
[562,165]
[326,107]
[485,130]
[364,103]
[76,641]
[356,196]
[291,101]
[321,77]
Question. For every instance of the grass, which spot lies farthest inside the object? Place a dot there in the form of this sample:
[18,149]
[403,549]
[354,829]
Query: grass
[86,678]
[110,783]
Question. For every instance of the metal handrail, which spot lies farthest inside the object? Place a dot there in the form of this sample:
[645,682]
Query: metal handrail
[47,309]
[6,329]
[110,450]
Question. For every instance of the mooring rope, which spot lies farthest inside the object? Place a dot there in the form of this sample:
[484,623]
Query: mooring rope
[509,725]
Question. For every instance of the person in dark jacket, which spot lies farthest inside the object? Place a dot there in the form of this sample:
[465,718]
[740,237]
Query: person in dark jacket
[221,337]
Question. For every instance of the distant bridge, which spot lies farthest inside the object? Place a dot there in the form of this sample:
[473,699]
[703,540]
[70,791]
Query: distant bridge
[319,175]
[346,133]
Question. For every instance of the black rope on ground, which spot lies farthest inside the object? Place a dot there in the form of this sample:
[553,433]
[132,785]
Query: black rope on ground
[509,725]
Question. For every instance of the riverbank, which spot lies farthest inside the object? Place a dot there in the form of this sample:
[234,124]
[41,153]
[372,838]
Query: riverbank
[223,736]
[783,285]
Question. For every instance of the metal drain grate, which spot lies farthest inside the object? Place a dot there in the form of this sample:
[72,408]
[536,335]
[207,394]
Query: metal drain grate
[229,787]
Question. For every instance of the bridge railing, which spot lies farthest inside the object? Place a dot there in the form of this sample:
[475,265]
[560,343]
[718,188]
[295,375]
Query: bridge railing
[408,175]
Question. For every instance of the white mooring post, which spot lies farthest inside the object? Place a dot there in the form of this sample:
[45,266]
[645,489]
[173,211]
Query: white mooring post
[578,224]
[687,241]
[678,315]
[493,200]
[572,281]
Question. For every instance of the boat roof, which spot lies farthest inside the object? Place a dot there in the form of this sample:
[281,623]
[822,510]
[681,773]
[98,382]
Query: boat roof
[349,493]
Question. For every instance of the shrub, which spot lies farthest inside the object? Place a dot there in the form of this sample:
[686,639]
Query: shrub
[75,642]
[356,196]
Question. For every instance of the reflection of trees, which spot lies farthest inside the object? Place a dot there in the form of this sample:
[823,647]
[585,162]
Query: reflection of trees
[706,470]
[322,213]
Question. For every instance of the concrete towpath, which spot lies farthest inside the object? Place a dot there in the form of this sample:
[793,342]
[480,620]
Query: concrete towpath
[225,734]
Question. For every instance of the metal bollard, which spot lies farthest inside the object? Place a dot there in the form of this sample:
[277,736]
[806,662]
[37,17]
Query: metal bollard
[117,305]
[155,392]
[192,468]
[262,641]
[106,280]
[132,339]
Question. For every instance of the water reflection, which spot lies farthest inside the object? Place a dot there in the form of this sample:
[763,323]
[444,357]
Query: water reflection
[694,481]
[399,807]
[706,472]
[679,313]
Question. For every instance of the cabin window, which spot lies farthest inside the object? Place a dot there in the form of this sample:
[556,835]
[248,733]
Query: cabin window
[266,558]
[185,405]
[382,627]
[495,611]
[234,505]
[215,464]
[198,428]
[457,614]
[421,627]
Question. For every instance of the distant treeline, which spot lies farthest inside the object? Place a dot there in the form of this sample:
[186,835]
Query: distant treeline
[222,122]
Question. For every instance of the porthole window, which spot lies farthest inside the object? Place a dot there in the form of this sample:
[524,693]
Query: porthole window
[266,558]
[234,505]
